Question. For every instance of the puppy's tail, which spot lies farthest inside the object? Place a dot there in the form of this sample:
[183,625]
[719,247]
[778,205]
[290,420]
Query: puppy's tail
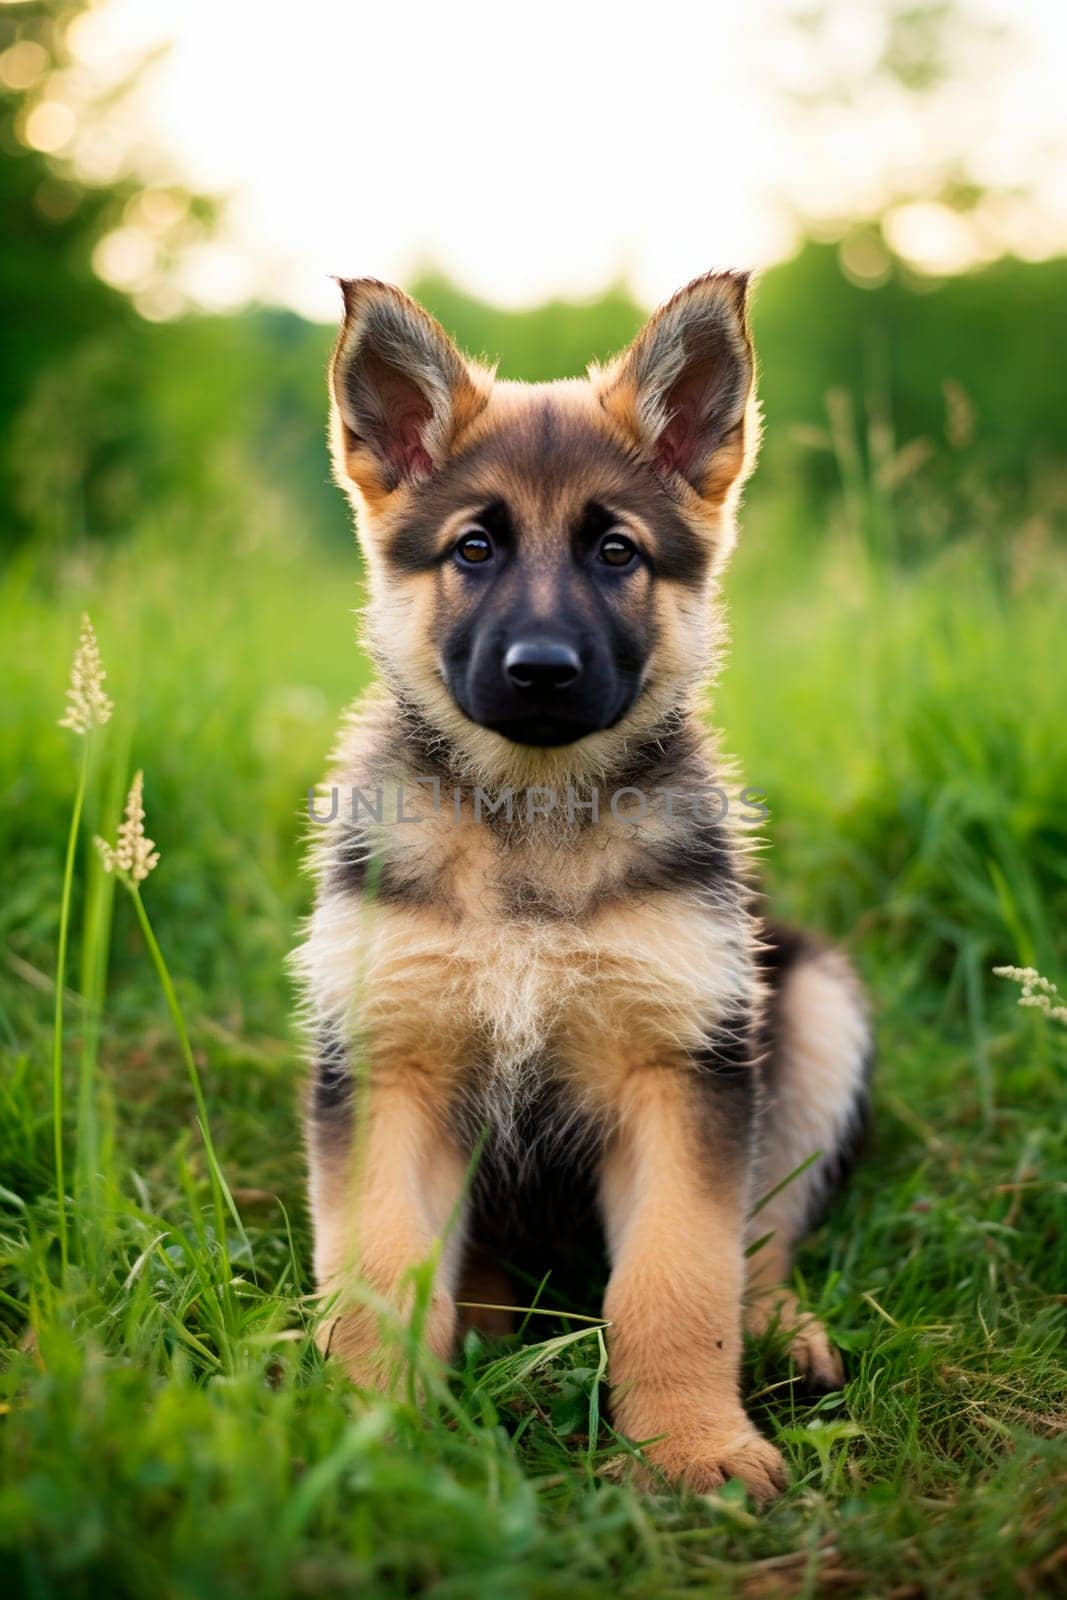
[817,1062]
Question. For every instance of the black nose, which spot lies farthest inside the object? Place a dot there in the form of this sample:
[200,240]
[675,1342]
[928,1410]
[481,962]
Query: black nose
[542,664]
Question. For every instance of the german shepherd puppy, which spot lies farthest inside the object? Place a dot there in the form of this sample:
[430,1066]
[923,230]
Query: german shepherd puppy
[536,949]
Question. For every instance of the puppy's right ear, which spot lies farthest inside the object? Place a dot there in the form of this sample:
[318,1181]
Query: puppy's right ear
[402,393]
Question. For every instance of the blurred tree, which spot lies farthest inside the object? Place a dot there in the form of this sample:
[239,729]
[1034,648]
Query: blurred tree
[68,389]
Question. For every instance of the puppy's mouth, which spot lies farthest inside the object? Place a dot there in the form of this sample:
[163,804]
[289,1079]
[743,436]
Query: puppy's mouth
[541,731]
[547,727]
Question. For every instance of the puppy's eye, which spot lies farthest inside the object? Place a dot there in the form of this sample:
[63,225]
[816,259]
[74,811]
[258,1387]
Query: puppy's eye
[473,547]
[617,550]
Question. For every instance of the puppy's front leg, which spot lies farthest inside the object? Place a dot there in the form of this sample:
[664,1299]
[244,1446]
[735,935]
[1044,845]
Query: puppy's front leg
[381,1199]
[673,1196]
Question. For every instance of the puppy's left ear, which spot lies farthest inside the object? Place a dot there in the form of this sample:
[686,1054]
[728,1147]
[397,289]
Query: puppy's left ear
[684,391]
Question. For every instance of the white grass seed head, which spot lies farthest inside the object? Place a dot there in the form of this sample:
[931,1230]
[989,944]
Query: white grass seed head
[1040,994]
[133,855]
[87,704]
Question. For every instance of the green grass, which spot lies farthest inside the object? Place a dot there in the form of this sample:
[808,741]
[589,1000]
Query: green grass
[166,1430]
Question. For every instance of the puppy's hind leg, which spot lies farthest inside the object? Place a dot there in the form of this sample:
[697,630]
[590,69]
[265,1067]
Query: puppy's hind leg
[816,1075]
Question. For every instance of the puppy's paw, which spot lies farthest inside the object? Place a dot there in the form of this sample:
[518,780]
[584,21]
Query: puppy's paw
[702,1462]
[811,1349]
[373,1343]
[805,1338]
[351,1338]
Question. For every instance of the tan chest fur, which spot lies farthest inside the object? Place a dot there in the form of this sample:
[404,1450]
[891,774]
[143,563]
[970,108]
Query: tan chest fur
[501,951]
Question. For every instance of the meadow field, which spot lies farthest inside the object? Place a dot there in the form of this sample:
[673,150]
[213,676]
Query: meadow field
[896,687]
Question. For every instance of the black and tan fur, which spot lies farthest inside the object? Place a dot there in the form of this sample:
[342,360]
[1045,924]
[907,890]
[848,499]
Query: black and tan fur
[596,998]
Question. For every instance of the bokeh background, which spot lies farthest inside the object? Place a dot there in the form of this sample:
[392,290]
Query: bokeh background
[178,181]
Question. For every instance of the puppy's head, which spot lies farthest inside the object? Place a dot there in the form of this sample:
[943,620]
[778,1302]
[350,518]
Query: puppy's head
[542,557]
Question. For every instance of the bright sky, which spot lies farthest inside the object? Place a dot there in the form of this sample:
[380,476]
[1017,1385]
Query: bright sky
[549,148]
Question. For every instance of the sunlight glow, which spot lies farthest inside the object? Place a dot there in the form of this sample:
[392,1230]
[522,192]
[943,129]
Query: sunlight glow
[49,126]
[22,64]
[931,236]
[557,151]
[125,258]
